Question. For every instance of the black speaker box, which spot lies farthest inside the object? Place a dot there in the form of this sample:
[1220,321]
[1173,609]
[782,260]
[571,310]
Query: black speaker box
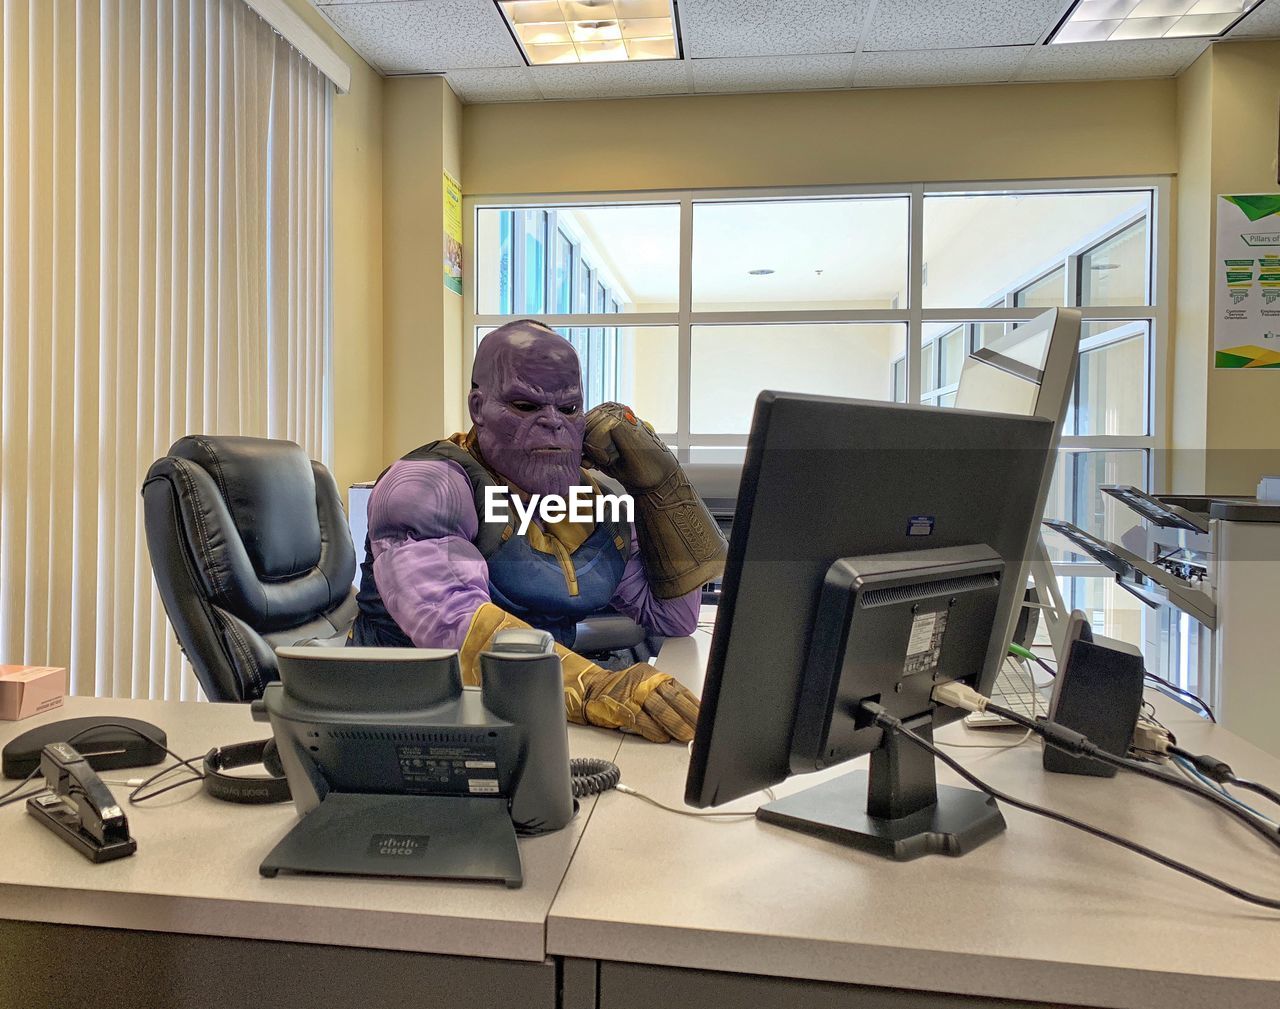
[1098,692]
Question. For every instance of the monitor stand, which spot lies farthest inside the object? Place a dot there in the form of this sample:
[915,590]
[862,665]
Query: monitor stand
[435,837]
[897,810]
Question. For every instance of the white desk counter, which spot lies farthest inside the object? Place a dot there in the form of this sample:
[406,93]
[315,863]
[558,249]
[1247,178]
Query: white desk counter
[1041,913]
[196,867]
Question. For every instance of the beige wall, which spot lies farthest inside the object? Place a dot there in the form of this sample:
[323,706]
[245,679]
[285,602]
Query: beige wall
[422,347]
[357,264]
[1244,406]
[1189,354]
[1228,141]
[1022,131]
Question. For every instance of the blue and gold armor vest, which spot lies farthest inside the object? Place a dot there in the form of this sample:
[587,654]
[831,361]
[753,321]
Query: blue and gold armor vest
[549,579]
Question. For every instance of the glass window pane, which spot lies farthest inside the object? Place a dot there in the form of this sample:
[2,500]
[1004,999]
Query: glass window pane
[952,354]
[582,286]
[980,248]
[985,332]
[1074,495]
[1111,386]
[1179,642]
[640,243]
[1115,272]
[644,362]
[495,250]
[900,380]
[594,376]
[533,262]
[1046,292]
[1110,610]
[732,364]
[562,286]
[633,365]
[818,253]
[928,367]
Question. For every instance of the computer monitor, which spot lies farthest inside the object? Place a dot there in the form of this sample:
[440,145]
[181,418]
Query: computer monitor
[1030,371]
[875,551]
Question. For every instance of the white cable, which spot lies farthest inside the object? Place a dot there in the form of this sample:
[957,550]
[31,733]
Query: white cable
[1035,710]
[737,815]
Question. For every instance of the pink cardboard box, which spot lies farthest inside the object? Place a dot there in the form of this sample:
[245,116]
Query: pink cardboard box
[30,690]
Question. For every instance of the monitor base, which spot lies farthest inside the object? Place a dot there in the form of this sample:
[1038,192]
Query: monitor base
[958,822]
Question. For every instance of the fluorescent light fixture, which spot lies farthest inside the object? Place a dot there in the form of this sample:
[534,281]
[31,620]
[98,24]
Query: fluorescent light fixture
[1117,20]
[592,31]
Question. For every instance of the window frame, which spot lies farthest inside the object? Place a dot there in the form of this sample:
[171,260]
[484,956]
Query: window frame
[1155,313]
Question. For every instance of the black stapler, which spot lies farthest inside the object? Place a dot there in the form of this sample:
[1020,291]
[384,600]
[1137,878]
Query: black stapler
[79,808]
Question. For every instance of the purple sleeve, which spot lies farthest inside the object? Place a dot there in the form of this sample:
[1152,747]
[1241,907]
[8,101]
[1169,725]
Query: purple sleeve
[432,579]
[672,618]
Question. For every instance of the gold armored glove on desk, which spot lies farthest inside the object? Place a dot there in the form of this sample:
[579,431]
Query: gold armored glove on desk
[639,699]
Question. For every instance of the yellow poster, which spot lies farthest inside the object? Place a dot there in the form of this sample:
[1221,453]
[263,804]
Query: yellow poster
[452,234]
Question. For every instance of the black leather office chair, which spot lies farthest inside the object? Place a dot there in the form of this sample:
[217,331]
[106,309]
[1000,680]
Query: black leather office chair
[251,551]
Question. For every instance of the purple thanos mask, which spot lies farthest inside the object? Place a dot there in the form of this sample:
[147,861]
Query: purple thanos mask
[526,405]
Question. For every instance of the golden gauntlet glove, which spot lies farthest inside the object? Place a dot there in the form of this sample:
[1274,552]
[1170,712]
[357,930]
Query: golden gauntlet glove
[680,542]
[638,699]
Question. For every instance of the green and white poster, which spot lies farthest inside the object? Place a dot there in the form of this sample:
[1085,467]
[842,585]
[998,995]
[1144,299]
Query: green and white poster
[1246,332]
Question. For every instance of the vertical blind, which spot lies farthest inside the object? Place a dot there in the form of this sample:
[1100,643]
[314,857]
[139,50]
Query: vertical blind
[164,235]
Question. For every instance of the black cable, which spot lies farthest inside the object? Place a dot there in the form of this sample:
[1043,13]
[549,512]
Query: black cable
[1258,787]
[25,795]
[197,776]
[1164,684]
[1078,745]
[887,721]
[135,796]
[591,776]
[5,799]
[1044,665]
[1220,771]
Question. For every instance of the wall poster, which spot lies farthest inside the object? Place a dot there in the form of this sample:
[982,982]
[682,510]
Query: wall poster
[1246,332]
[452,234]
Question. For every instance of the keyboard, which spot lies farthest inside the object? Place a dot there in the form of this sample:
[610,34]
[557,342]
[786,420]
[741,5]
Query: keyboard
[1015,688]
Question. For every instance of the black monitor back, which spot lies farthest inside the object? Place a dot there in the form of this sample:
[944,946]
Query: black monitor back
[829,478]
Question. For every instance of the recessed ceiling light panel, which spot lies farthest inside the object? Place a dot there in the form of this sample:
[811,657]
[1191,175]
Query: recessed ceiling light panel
[593,31]
[1125,20]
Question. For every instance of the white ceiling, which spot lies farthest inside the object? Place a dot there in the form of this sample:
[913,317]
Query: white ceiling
[768,45]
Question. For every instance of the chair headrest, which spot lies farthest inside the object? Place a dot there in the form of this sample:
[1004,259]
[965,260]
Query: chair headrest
[270,490]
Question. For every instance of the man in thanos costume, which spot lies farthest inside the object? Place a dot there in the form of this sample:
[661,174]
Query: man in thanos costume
[437,575]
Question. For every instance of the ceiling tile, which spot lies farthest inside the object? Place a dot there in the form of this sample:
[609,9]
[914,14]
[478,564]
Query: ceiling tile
[937,66]
[426,36]
[960,24]
[1262,22]
[770,28]
[611,80]
[772,73]
[1080,61]
[493,84]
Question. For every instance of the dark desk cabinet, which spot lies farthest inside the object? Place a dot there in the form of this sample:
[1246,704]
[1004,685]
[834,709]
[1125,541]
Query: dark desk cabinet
[75,967]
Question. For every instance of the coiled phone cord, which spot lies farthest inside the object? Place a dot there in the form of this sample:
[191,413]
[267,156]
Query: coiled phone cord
[592,776]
